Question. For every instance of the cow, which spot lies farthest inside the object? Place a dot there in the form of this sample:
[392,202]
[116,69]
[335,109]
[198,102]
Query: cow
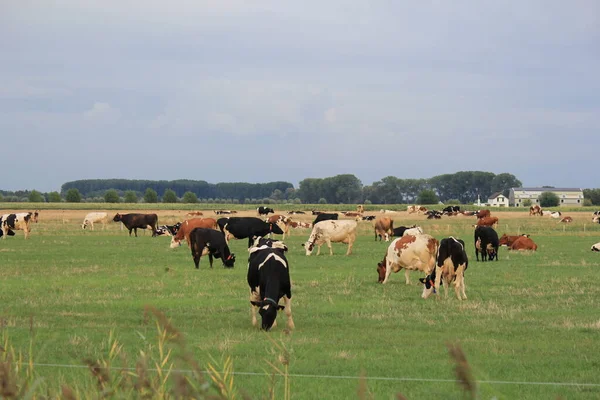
[597,213]
[486,241]
[360,209]
[469,213]
[483,213]
[264,210]
[566,219]
[596,247]
[411,252]
[285,223]
[328,231]
[452,262]
[134,221]
[221,212]
[488,221]
[508,240]
[325,217]
[596,220]
[92,217]
[316,212]
[556,214]
[384,227]
[368,218]
[195,214]
[9,232]
[296,212]
[450,209]
[523,243]
[19,221]
[247,227]
[352,214]
[269,281]
[535,210]
[399,232]
[211,241]
[168,230]
[187,226]
[433,214]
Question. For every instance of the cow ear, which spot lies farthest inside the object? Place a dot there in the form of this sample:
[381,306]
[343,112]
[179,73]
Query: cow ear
[256,303]
[280,307]
[423,280]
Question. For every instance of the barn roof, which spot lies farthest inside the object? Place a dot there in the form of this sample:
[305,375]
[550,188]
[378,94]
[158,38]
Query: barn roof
[493,196]
[546,189]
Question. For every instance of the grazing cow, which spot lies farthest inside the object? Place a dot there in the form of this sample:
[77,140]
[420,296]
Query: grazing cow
[16,222]
[296,212]
[134,221]
[264,210]
[187,226]
[523,243]
[343,231]
[450,209]
[168,230]
[535,210]
[325,217]
[487,221]
[247,227]
[596,247]
[486,241]
[360,209]
[452,262]
[384,227]
[483,213]
[269,280]
[566,219]
[92,217]
[368,218]
[508,240]
[195,214]
[399,232]
[409,252]
[211,241]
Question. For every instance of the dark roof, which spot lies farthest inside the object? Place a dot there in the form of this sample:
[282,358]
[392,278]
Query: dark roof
[543,189]
[493,196]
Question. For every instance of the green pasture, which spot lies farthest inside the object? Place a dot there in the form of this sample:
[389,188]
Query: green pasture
[530,328]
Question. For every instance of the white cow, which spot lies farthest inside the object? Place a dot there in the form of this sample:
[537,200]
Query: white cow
[411,252]
[337,231]
[596,247]
[92,217]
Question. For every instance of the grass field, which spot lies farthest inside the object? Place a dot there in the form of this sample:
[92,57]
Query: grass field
[530,328]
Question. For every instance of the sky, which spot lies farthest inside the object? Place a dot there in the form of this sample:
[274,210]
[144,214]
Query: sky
[270,90]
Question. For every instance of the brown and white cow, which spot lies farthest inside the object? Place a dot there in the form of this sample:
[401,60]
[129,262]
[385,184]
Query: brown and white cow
[488,221]
[93,217]
[384,228]
[483,213]
[336,231]
[535,210]
[195,214]
[566,219]
[284,222]
[186,228]
[411,252]
[16,222]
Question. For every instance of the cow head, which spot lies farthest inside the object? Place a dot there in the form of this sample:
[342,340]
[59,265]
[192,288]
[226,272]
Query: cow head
[175,243]
[229,261]
[491,251]
[309,246]
[274,228]
[268,312]
[85,224]
[117,217]
[503,240]
[428,286]
[381,266]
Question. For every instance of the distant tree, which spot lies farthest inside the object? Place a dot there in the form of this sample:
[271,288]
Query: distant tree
[151,196]
[322,200]
[130,197]
[593,195]
[587,202]
[54,197]
[35,197]
[549,199]
[169,196]
[73,196]
[452,202]
[111,196]
[427,196]
[190,197]
[527,203]
[1,197]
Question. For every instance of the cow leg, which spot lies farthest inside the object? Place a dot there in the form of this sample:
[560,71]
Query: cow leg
[349,251]
[318,249]
[438,281]
[254,296]
[92,224]
[210,258]
[26,232]
[406,276]
[329,245]
[288,312]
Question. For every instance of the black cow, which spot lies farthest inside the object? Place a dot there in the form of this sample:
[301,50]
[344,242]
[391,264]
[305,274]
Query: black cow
[315,212]
[247,227]
[134,221]
[269,281]
[368,218]
[169,230]
[399,231]
[325,217]
[452,262]
[264,210]
[486,241]
[206,240]
[450,209]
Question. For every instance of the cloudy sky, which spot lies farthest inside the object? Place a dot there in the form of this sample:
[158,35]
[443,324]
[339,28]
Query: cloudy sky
[258,91]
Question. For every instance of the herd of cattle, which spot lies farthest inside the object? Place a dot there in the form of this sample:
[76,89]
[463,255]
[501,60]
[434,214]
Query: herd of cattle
[443,262]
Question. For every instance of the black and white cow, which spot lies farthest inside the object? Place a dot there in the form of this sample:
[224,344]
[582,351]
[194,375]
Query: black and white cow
[247,227]
[18,221]
[325,217]
[134,221]
[433,214]
[296,212]
[399,231]
[486,242]
[368,218]
[450,209]
[169,230]
[452,262]
[269,281]
[212,242]
[264,210]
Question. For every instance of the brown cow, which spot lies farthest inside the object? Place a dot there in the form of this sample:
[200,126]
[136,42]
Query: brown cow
[194,213]
[483,213]
[487,221]
[186,228]
[508,240]
[566,220]
[535,210]
[523,243]
[384,227]
[351,214]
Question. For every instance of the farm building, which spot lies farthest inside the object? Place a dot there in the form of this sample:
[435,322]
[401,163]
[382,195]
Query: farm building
[497,200]
[568,196]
